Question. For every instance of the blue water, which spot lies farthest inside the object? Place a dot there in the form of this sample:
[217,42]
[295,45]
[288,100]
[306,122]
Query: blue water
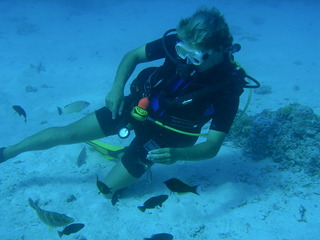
[56,52]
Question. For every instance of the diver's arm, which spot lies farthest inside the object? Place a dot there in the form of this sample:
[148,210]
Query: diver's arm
[204,150]
[201,151]
[127,66]
[114,99]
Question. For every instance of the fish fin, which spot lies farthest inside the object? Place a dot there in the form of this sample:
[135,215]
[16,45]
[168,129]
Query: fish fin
[37,202]
[60,233]
[194,190]
[109,151]
[142,208]
[33,204]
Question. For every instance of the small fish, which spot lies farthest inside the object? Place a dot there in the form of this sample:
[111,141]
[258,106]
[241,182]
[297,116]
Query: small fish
[74,107]
[103,188]
[153,202]
[72,228]
[82,157]
[302,211]
[52,219]
[115,198]
[20,111]
[175,185]
[160,236]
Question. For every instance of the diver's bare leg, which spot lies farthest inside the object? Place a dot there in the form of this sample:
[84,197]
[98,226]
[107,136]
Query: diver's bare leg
[82,130]
[119,178]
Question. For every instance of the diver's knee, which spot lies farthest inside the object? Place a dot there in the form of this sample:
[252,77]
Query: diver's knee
[66,134]
[135,168]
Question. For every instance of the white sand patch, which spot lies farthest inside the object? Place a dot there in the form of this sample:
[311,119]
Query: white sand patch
[79,48]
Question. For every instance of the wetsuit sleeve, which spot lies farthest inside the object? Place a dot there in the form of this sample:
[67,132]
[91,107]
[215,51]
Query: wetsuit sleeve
[224,114]
[155,50]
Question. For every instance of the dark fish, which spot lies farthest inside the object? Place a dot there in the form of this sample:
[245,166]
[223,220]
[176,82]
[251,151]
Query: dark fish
[72,228]
[175,185]
[74,107]
[115,197]
[20,111]
[160,236]
[153,202]
[50,218]
[59,110]
[103,188]
[82,157]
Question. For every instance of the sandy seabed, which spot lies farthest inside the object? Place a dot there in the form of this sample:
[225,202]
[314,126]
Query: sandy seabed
[57,52]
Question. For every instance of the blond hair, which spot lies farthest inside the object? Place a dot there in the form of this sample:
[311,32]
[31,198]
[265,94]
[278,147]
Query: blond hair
[206,28]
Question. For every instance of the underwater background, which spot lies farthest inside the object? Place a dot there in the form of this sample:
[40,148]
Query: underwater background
[264,184]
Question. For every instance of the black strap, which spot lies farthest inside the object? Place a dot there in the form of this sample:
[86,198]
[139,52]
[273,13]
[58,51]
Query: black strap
[191,97]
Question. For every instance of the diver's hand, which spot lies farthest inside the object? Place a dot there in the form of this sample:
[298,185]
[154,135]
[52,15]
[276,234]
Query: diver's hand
[115,102]
[161,155]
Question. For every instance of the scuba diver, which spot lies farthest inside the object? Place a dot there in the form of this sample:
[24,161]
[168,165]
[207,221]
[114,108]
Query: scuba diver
[168,105]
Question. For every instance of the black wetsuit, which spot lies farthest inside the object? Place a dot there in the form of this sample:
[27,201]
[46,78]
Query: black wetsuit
[220,106]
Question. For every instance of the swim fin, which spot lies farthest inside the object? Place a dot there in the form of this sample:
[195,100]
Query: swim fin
[108,151]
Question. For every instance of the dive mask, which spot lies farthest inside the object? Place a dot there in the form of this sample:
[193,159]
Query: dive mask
[193,56]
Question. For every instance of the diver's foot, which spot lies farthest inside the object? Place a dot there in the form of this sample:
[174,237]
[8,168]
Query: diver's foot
[2,159]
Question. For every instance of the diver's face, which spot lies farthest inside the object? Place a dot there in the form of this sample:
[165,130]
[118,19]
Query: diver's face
[192,53]
[196,55]
[213,58]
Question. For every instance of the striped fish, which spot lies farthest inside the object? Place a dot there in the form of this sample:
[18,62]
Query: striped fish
[52,219]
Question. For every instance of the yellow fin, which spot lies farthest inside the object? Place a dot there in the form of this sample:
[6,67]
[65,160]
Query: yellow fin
[107,150]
